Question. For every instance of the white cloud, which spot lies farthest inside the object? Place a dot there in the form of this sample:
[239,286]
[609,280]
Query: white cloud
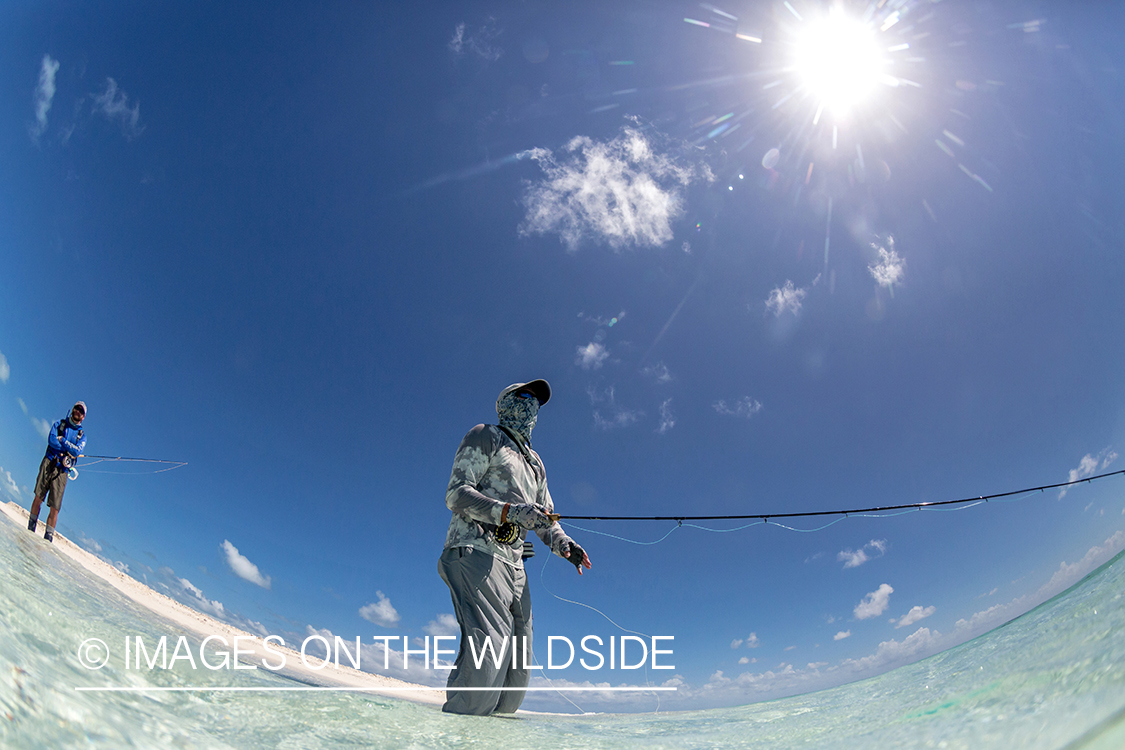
[591,356]
[457,43]
[1066,576]
[380,612]
[242,567]
[920,643]
[317,648]
[42,426]
[9,484]
[478,41]
[198,599]
[751,641]
[915,614]
[257,627]
[785,299]
[842,635]
[658,372]
[621,192]
[667,419]
[890,268]
[745,407]
[44,93]
[445,624]
[324,633]
[988,616]
[114,105]
[22,405]
[1088,466]
[600,397]
[617,418]
[5,371]
[1069,574]
[745,660]
[853,559]
[90,544]
[875,603]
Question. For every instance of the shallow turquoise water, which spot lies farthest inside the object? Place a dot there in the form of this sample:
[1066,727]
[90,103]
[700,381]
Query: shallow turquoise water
[1054,678]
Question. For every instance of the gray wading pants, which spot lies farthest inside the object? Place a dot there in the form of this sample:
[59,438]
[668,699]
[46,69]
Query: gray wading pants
[492,601]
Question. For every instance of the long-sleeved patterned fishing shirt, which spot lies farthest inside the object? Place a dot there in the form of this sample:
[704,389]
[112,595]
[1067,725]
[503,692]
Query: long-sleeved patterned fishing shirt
[488,471]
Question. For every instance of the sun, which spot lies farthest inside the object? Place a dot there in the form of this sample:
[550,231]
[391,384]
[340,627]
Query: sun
[838,61]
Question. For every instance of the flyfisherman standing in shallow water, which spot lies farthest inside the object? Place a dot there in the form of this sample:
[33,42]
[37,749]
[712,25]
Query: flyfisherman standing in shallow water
[498,492]
[65,443]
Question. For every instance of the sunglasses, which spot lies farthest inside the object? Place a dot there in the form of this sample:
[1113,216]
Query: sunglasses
[526,394]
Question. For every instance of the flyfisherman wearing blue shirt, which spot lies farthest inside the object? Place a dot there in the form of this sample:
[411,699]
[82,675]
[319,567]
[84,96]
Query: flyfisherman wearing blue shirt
[497,492]
[65,443]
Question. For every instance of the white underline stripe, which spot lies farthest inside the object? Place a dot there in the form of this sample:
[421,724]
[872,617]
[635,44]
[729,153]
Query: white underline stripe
[367,690]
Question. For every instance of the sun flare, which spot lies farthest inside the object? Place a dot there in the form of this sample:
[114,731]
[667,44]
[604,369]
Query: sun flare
[838,61]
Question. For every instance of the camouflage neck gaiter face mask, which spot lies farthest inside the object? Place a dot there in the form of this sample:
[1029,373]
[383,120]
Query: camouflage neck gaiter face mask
[518,414]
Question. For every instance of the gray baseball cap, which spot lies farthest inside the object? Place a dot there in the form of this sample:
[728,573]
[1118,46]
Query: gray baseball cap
[541,389]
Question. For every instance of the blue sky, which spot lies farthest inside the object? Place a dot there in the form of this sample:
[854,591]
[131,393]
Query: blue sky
[303,250]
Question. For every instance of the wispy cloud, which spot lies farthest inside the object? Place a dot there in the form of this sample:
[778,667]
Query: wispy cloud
[621,192]
[875,603]
[616,418]
[842,635]
[591,356]
[600,320]
[1066,576]
[890,268]
[658,372]
[242,567]
[42,426]
[380,612]
[479,41]
[744,407]
[44,93]
[89,544]
[445,624]
[5,371]
[785,299]
[610,416]
[197,598]
[853,559]
[667,419]
[915,614]
[114,106]
[1088,466]
[605,396]
[8,484]
[920,643]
